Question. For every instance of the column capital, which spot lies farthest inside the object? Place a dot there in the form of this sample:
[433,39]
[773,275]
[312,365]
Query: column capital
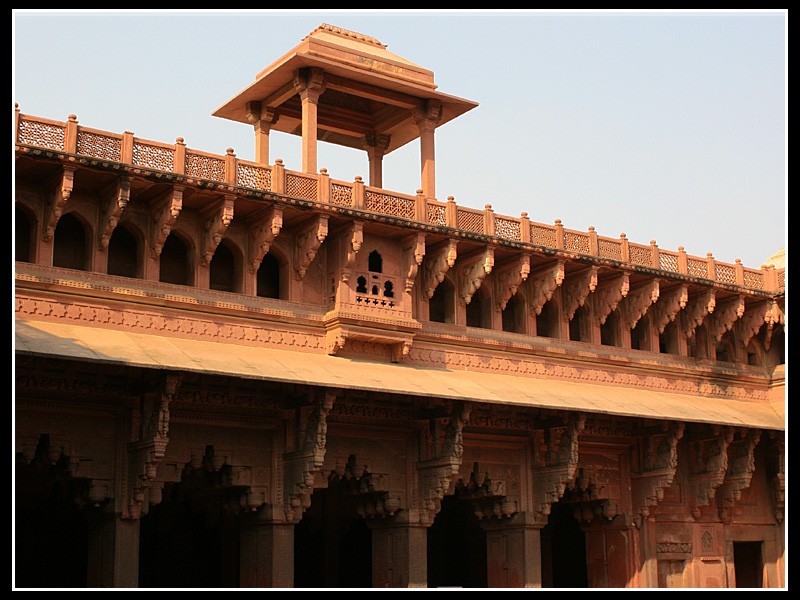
[309,83]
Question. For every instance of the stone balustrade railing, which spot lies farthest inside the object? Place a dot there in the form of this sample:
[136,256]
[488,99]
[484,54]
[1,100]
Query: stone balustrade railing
[70,138]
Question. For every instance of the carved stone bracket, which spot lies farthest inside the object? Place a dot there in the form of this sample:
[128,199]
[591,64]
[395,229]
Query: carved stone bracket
[487,496]
[608,295]
[371,489]
[437,262]
[577,288]
[413,254]
[115,201]
[741,465]
[509,278]
[725,315]
[146,453]
[555,463]
[542,284]
[637,303]
[59,200]
[710,466]
[263,232]
[165,213]
[302,465]
[217,220]
[754,318]
[777,473]
[659,464]
[669,304]
[355,239]
[697,308]
[309,239]
[437,474]
[473,272]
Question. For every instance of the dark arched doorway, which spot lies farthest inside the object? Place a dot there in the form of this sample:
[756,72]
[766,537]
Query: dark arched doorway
[332,542]
[563,550]
[456,547]
[51,531]
[191,538]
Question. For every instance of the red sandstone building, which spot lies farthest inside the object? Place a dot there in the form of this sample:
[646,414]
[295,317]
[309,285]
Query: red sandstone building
[233,374]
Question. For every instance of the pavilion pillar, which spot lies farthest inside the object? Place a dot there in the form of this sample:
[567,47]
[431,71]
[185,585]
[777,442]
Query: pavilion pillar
[310,85]
[376,145]
[513,552]
[262,120]
[113,553]
[426,121]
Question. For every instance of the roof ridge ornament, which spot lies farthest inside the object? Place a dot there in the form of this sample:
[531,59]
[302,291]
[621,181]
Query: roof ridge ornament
[346,33]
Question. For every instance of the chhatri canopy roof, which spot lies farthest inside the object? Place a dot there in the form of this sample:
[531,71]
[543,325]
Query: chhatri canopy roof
[367,91]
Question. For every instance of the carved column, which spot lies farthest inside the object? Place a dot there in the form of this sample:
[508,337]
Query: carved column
[113,552]
[310,85]
[267,549]
[513,551]
[426,120]
[262,120]
[376,146]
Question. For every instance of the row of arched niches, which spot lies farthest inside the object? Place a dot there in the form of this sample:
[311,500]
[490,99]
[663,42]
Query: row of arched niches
[71,248]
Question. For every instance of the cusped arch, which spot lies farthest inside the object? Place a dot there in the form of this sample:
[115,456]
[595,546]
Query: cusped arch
[71,242]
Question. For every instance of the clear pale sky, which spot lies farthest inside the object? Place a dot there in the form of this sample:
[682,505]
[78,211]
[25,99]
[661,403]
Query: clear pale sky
[669,126]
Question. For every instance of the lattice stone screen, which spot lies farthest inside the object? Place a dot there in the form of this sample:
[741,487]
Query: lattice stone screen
[544,236]
[388,204]
[41,134]
[341,195]
[252,176]
[205,167]
[153,157]
[99,146]
[470,221]
[609,249]
[507,229]
[301,187]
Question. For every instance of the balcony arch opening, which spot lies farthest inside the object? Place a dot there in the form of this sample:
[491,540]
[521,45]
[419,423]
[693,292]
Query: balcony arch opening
[224,269]
[174,262]
[70,243]
[124,253]
[442,303]
[375,262]
[23,234]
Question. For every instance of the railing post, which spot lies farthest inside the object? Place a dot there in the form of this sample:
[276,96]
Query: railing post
[711,266]
[593,250]
[770,278]
[625,248]
[358,193]
[279,177]
[324,186]
[524,227]
[655,255]
[16,122]
[230,167]
[683,264]
[71,135]
[179,159]
[420,208]
[126,150]
[739,272]
[559,234]
[488,220]
[450,212]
